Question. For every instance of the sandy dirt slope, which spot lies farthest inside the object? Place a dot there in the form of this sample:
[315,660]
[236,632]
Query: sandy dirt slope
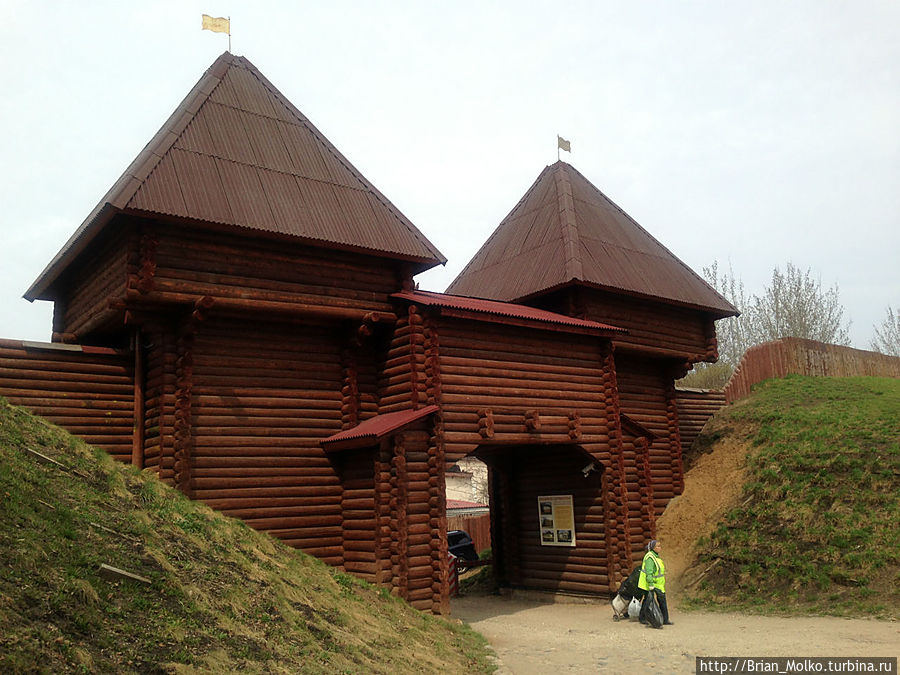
[711,486]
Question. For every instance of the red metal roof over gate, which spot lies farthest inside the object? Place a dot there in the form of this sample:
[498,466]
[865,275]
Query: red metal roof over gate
[370,431]
[488,308]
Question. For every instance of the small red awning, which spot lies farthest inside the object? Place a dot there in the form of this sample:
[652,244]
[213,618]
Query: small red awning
[370,431]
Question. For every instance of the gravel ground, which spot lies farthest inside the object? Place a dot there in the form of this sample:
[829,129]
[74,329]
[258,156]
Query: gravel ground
[531,636]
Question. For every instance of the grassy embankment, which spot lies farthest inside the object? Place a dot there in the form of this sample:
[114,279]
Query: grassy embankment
[817,527]
[221,597]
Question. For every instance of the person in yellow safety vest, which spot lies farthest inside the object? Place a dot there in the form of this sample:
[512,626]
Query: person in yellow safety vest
[653,577]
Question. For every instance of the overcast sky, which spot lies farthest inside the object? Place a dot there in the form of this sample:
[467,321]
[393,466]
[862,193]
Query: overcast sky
[750,133]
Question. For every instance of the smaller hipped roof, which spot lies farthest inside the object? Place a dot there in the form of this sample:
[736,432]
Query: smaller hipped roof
[236,152]
[565,231]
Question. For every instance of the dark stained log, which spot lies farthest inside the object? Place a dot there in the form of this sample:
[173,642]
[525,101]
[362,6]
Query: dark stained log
[50,374]
[316,491]
[284,307]
[459,369]
[97,389]
[182,432]
[137,448]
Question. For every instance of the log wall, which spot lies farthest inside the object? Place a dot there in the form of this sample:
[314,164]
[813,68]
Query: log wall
[695,407]
[650,324]
[530,473]
[423,579]
[641,522]
[402,380]
[82,304]
[647,395]
[410,541]
[500,384]
[190,262]
[262,397]
[499,387]
[159,402]
[88,391]
[358,524]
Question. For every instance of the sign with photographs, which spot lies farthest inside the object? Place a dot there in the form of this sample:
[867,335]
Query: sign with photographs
[557,518]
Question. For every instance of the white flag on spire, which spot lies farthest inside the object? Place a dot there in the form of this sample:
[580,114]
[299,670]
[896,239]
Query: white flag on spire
[217,24]
[563,144]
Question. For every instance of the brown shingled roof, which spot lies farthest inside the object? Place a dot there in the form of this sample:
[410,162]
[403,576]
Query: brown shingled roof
[237,152]
[564,231]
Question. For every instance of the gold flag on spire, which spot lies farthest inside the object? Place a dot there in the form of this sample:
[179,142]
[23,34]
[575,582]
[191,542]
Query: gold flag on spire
[216,24]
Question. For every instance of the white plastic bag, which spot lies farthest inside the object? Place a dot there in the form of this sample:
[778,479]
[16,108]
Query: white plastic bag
[634,608]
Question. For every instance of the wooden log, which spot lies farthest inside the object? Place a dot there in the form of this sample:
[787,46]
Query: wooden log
[24,372]
[306,449]
[237,483]
[210,444]
[276,260]
[304,427]
[309,523]
[321,491]
[271,399]
[254,284]
[51,385]
[256,472]
[253,290]
[462,367]
[284,307]
[537,398]
[310,504]
[546,354]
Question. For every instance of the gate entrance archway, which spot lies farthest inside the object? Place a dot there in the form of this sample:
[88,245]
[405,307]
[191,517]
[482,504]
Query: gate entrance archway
[524,553]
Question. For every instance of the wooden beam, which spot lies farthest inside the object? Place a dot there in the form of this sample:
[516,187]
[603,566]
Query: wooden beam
[137,448]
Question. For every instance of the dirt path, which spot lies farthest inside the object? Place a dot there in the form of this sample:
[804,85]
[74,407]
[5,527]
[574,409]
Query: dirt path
[532,637]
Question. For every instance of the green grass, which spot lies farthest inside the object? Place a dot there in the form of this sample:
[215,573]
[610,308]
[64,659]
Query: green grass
[818,525]
[222,598]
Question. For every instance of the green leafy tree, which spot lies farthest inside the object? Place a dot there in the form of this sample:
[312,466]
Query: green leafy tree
[887,335]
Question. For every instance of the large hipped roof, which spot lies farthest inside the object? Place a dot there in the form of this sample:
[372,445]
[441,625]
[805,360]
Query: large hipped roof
[565,231]
[236,152]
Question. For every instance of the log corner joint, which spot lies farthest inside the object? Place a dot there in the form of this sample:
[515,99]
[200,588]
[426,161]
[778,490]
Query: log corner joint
[486,423]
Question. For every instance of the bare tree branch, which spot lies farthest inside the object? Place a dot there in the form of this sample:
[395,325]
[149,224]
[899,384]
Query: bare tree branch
[887,335]
[796,305]
[793,305]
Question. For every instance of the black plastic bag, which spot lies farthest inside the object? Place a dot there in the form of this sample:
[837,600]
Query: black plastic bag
[653,612]
[629,587]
